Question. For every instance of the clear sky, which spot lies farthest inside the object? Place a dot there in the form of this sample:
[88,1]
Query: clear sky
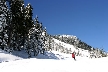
[86,19]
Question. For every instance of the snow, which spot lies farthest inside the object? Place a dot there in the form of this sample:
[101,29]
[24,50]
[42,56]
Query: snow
[52,61]
[55,65]
[85,53]
[64,35]
[68,46]
[4,56]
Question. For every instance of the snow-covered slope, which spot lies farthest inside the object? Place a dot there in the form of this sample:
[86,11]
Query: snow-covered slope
[84,53]
[72,36]
[19,55]
[52,61]
[51,65]
[4,56]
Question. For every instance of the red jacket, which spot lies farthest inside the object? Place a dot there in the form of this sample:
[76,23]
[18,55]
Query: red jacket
[73,55]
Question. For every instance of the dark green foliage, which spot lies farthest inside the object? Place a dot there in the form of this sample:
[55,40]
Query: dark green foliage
[3,23]
[16,8]
[22,30]
[28,17]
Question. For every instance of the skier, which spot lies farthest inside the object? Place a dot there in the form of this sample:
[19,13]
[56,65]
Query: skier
[73,56]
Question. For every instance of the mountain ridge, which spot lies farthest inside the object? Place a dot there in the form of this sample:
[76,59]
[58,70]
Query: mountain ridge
[77,43]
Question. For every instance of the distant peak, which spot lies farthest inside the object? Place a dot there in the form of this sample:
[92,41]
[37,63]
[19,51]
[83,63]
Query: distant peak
[68,36]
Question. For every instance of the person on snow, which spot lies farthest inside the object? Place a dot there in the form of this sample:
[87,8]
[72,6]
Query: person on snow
[73,56]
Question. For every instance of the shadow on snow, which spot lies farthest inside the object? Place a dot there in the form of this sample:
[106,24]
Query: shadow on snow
[47,55]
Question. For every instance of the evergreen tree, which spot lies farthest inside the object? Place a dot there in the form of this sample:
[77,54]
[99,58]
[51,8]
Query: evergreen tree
[36,39]
[17,28]
[40,35]
[3,24]
[49,42]
[28,18]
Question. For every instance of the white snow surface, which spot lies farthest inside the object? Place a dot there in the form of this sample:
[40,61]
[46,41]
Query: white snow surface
[4,56]
[52,61]
[85,53]
[62,63]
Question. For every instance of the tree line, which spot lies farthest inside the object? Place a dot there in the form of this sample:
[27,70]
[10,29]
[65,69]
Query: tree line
[18,30]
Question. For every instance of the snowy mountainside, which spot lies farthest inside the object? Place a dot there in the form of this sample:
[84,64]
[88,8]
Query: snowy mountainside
[52,61]
[20,55]
[82,52]
[72,36]
[81,46]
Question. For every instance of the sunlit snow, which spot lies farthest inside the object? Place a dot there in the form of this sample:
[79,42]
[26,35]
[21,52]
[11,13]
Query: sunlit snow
[52,61]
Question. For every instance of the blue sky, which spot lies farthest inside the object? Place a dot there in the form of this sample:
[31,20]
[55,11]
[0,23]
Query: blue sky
[86,19]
